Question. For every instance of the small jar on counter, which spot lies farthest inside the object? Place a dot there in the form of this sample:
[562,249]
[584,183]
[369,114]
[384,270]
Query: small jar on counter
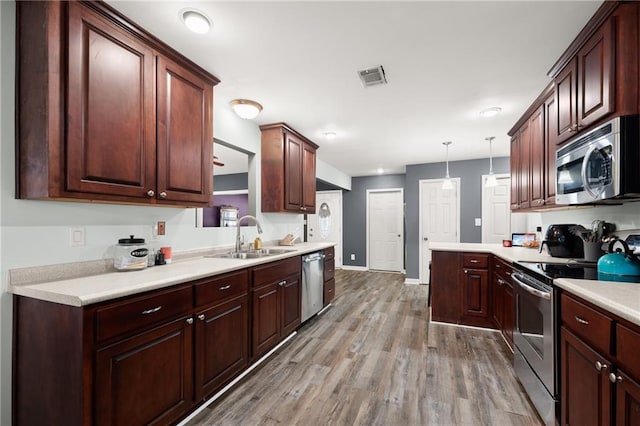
[131,254]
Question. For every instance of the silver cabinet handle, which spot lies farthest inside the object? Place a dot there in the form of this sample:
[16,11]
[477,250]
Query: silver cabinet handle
[151,193]
[163,194]
[581,321]
[282,283]
[600,366]
[226,287]
[152,310]
[201,317]
[189,321]
[614,379]
[473,261]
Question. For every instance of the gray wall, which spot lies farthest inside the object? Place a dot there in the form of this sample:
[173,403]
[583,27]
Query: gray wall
[231,182]
[354,238]
[470,173]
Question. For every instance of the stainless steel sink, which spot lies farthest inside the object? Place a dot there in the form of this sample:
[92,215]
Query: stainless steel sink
[254,254]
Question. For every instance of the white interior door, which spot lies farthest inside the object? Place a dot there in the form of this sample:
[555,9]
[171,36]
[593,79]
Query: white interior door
[496,210]
[385,211]
[326,224]
[439,218]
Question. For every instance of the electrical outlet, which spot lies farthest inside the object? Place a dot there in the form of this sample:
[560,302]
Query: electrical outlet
[76,236]
[353,256]
[161,227]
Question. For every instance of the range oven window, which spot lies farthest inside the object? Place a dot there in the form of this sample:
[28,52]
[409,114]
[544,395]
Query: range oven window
[530,324]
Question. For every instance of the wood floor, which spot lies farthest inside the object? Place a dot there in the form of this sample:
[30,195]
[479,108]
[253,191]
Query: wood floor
[375,359]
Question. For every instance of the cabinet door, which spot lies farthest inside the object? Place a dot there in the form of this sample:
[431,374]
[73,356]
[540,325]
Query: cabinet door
[550,141]
[308,179]
[265,319]
[509,314]
[524,164]
[185,135]
[475,297]
[147,379]
[515,171]
[585,387]
[445,286]
[111,137]
[537,160]
[497,298]
[290,290]
[329,291]
[596,77]
[627,401]
[221,345]
[293,165]
[566,99]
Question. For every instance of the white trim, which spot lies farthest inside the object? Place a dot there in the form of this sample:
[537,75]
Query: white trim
[411,281]
[339,192]
[355,268]
[381,190]
[236,380]
[483,200]
[231,192]
[466,326]
[420,231]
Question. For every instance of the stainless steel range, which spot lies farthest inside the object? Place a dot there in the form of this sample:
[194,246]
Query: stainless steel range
[535,338]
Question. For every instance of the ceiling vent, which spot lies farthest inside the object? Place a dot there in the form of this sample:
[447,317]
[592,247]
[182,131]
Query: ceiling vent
[372,76]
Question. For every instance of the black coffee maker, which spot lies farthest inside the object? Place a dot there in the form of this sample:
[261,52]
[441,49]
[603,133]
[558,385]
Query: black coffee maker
[561,242]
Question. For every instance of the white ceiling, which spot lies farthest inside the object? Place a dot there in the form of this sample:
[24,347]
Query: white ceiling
[444,61]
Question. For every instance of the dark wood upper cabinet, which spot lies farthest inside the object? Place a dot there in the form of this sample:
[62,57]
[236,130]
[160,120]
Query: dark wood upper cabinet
[288,170]
[514,161]
[566,99]
[107,112]
[537,158]
[550,144]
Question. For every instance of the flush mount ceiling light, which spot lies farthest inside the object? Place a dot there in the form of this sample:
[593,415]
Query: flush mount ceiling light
[490,112]
[246,108]
[447,185]
[491,179]
[330,135]
[380,170]
[196,21]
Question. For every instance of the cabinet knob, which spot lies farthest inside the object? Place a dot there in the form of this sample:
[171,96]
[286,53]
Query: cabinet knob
[500,281]
[151,193]
[189,320]
[282,283]
[600,366]
[163,194]
[614,379]
[466,271]
[201,317]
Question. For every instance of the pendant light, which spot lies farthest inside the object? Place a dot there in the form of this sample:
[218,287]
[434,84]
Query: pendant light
[491,179]
[447,185]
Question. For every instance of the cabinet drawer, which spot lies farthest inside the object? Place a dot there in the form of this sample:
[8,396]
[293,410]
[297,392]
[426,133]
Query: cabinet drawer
[502,268]
[139,312]
[475,260]
[276,271]
[221,287]
[627,346]
[329,253]
[587,323]
[329,269]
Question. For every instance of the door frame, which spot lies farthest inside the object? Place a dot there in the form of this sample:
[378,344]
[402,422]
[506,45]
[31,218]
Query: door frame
[402,232]
[483,201]
[421,278]
[340,223]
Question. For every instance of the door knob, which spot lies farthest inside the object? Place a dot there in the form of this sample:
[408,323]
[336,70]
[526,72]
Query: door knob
[425,238]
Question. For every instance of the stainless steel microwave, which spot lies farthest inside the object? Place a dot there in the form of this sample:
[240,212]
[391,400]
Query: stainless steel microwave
[601,166]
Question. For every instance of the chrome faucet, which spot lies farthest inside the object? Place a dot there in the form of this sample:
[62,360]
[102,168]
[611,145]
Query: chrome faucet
[238,243]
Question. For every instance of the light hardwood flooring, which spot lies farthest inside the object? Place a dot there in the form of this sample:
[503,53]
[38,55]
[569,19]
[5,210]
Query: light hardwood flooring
[374,358]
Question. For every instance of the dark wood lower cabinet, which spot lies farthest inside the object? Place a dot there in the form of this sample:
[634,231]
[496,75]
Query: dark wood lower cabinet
[475,297]
[445,286]
[221,345]
[291,301]
[585,387]
[156,364]
[627,401]
[265,319]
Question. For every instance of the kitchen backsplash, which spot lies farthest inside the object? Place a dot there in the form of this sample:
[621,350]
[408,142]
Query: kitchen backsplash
[626,217]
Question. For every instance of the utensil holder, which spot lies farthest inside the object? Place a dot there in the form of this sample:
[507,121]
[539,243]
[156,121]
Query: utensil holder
[592,250]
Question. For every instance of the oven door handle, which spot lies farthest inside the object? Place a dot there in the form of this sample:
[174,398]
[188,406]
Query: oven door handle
[531,290]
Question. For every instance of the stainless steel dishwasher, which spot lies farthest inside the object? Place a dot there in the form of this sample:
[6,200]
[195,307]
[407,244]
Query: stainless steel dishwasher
[312,284]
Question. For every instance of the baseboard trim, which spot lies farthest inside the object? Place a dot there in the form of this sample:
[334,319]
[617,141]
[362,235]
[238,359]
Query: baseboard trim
[355,268]
[412,281]
[465,326]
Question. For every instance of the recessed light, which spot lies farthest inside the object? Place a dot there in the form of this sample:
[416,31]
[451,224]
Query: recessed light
[330,135]
[380,170]
[490,112]
[196,21]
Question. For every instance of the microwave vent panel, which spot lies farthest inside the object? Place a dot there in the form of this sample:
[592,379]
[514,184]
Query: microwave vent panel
[372,76]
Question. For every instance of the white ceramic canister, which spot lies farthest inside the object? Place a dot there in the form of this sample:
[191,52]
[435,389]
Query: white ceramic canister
[131,254]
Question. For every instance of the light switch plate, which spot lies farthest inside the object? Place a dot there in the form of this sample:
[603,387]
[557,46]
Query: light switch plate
[478,221]
[76,236]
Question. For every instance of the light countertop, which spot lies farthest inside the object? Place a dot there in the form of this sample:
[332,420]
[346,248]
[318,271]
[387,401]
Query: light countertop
[99,288]
[621,299]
